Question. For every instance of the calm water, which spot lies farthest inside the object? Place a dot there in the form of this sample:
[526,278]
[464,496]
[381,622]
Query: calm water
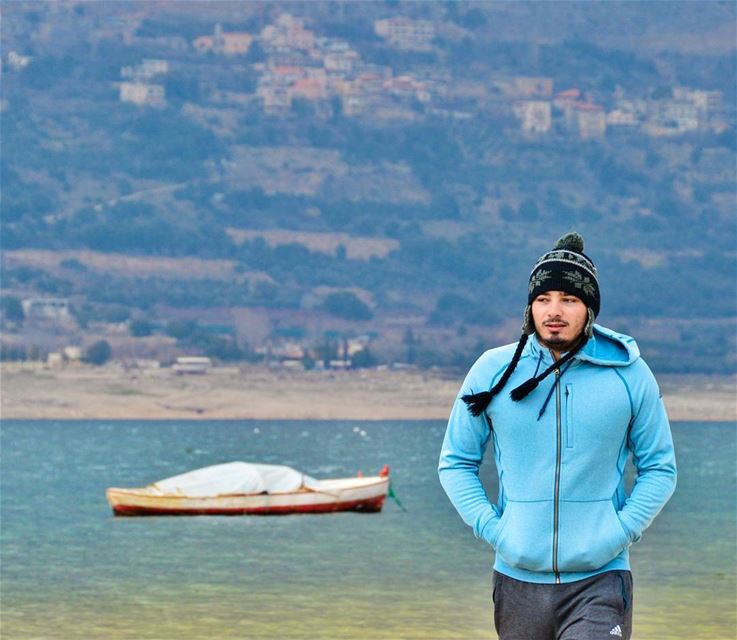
[71,570]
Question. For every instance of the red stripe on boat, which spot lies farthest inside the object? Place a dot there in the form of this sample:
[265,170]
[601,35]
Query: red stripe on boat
[371,505]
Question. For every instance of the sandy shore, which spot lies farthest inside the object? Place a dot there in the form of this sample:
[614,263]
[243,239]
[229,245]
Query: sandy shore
[33,392]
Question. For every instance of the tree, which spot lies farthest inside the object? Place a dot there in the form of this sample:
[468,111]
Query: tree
[181,329]
[10,352]
[363,359]
[140,328]
[98,353]
[410,341]
[13,309]
[347,305]
[326,350]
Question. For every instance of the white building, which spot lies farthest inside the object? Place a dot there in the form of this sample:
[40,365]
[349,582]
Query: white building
[287,33]
[405,33]
[621,118]
[591,120]
[707,102]
[535,115]
[17,61]
[142,94]
[192,364]
[148,68]
[680,115]
[47,308]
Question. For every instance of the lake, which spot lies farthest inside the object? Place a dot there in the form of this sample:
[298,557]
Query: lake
[71,570]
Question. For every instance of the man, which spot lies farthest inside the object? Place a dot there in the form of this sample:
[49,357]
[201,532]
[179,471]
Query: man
[565,407]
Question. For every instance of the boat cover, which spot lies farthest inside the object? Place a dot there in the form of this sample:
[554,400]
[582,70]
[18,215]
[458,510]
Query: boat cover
[237,478]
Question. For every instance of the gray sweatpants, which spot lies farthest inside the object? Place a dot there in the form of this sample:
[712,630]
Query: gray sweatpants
[599,607]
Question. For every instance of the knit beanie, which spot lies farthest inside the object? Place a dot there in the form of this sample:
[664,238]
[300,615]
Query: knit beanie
[565,268]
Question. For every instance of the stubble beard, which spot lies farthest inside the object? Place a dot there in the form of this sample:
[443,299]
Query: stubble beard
[559,345]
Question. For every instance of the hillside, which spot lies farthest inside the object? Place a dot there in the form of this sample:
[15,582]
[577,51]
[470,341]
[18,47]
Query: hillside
[242,179]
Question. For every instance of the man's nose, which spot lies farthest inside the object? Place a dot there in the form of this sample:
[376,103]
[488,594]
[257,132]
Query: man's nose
[554,309]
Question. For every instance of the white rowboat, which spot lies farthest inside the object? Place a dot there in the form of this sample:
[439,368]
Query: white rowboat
[240,488]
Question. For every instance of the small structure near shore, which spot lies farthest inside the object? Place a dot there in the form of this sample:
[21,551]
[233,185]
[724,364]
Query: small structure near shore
[192,365]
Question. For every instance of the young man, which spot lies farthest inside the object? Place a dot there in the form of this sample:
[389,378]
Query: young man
[565,407]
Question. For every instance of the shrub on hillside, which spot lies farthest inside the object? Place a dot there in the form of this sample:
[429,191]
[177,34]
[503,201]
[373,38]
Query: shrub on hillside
[98,353]
[347,305]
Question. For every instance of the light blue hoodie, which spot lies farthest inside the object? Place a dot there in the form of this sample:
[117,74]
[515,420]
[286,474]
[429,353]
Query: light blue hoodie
[562,513]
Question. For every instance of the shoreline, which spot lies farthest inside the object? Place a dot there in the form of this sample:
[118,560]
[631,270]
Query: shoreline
[33,392]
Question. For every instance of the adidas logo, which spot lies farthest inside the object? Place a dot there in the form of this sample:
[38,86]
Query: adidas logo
[617,631]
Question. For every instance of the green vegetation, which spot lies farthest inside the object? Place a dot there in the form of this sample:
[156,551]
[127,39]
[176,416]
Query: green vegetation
[98,353]
[12,310]
[347,305]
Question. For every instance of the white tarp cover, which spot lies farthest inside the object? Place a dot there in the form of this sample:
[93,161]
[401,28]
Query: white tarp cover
[236,477]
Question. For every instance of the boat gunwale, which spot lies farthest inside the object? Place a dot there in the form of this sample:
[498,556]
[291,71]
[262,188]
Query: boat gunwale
[142,491]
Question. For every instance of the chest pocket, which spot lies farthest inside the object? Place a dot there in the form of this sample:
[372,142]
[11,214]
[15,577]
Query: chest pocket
[568,406]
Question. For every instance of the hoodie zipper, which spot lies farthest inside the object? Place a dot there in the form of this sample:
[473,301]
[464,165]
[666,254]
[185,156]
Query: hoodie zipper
[556,497]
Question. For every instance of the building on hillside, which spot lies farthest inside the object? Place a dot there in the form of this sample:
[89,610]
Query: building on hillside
[566,99]
[290,355]
[148,69]
[137,86]
[535,115]
[47,309]
[627,113]
[622,118]
[140,93]
[16,61]
[708,103]
[151,67]
[72,353]
[192,365]
[287,33]
[340,63]
[681,115]
[404,86]
[275,87]
[405,33]
[590,119]
[274,99]
[224,43]
[54,360]
[527,87]
[312,88]
[353,104]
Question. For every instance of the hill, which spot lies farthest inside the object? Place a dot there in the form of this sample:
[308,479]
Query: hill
[310,174]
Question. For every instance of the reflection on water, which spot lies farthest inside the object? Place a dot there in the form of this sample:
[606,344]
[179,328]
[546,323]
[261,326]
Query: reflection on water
[71,570]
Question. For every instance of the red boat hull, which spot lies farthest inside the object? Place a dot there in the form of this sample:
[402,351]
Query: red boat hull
[373,505]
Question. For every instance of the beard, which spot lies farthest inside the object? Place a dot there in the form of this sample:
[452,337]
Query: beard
[559,345]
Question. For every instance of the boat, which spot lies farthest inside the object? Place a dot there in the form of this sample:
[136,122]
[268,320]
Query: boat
[243,488]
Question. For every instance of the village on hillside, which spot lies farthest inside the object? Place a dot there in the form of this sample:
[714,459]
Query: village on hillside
[302,67]
[286,74]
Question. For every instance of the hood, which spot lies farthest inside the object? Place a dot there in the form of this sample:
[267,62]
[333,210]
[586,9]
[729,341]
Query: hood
[609,348]
[606,348]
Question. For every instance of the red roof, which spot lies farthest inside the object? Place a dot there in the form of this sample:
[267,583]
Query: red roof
[569,94]
[587,106]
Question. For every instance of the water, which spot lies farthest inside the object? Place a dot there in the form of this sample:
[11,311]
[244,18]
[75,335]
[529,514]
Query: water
[71,570]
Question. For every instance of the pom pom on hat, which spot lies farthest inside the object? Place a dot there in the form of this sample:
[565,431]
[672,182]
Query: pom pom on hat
[570,241]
